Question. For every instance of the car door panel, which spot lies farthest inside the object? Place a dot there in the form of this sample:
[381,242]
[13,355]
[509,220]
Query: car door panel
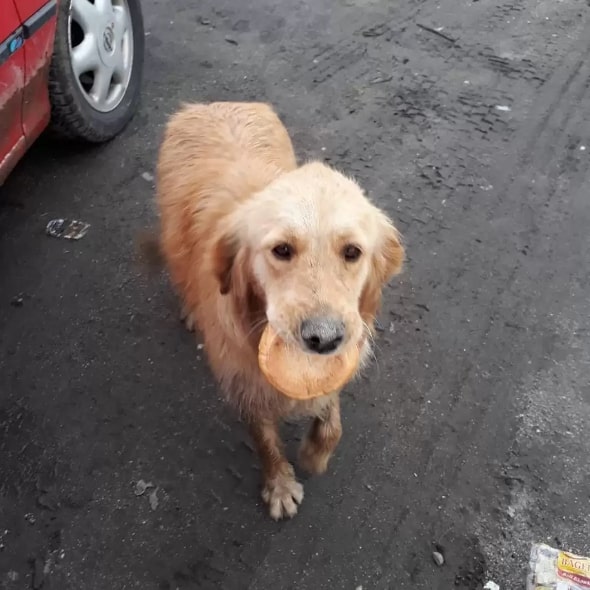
[39,20]
[27,8]
[12,80]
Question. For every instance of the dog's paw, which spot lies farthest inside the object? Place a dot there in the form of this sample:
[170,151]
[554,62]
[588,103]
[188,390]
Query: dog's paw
[187,317]
[312,459]
[282,495]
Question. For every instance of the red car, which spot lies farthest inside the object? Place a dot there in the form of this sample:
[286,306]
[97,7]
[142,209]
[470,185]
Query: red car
[75,65]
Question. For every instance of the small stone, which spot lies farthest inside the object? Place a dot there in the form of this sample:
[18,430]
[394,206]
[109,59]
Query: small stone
[17,301]
[147,176]
[491,586]
[30,518]
[204,21]
[438,558]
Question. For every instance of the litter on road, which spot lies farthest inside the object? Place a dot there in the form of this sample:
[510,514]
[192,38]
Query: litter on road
[551,569]
[69,229]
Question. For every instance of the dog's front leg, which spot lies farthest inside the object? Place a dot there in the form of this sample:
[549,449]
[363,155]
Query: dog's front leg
[281,491]
[322,439]
[187,317]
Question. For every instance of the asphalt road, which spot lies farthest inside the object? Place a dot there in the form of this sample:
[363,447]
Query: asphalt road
[467,120]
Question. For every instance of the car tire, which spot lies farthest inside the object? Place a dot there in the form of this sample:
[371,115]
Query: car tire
[76,111]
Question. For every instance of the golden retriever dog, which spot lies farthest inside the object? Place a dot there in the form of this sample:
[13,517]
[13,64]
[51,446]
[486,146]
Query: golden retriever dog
[250,238]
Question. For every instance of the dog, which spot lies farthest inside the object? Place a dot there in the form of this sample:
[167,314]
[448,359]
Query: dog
[250,238]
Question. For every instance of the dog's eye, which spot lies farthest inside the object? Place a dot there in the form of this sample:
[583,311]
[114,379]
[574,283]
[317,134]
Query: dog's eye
[283,251]
[351,253]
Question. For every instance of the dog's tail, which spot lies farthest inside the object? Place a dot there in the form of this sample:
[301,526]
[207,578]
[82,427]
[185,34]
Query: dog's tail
[149,250]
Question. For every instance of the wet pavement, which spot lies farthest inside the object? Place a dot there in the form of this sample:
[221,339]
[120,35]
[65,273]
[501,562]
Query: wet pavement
[466,120]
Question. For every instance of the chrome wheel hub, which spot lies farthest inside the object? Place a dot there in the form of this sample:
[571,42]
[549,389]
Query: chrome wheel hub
[101,50]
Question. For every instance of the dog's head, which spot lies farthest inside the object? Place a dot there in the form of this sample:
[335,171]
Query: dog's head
[314,253]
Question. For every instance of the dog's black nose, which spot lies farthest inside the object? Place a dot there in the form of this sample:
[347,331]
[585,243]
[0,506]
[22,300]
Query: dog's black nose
[322,334]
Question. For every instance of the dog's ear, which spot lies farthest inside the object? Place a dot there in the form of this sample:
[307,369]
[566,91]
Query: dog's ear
[389,257]
[232,267]
[225,251]
[387,262]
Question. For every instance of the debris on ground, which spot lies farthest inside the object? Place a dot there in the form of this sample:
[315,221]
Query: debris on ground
[147,176]
[69,229]
[504,108]
[375,31]
[552,569]
[153,499]
[438,558]
[381,80]
[491,586]
[438,33]
[141,487]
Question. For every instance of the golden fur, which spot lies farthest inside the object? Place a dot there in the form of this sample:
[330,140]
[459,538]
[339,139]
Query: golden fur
[229,191]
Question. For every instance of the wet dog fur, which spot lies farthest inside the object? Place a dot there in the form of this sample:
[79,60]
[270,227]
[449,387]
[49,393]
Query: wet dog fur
[250,237]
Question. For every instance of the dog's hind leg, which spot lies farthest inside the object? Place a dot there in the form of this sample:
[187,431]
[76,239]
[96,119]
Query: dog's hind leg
[322,439]
[281,491]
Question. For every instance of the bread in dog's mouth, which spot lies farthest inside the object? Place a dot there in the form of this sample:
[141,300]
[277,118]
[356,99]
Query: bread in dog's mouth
[301,375]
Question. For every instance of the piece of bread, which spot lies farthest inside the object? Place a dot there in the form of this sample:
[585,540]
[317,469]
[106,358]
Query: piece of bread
[302,375]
